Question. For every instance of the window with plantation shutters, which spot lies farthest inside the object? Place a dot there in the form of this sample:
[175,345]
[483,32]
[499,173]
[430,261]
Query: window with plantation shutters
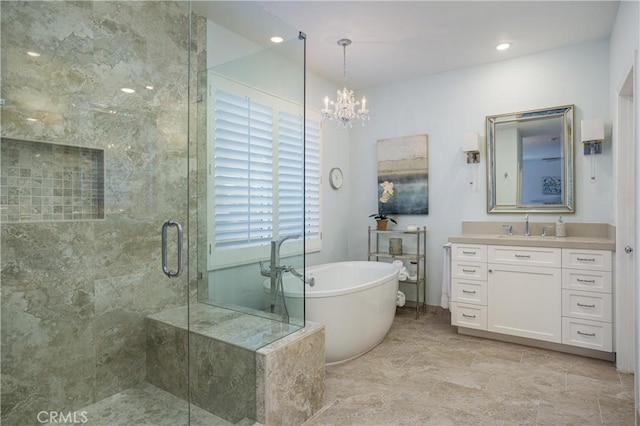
[290,174]
[242,170]
[312,184]
[264,183]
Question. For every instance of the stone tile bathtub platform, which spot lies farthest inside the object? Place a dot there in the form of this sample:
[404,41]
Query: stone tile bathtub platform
[241,365]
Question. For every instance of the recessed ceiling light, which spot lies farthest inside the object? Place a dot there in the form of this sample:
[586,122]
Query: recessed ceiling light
[276,39]
[127,90]
[34,54]
[503,46]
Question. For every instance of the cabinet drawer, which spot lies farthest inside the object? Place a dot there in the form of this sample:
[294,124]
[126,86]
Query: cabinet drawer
[469,270]
[469,252]
[586,305]
[582,279]
[471,316]
[469,291]
[531,256]
[587,334]
[598,260]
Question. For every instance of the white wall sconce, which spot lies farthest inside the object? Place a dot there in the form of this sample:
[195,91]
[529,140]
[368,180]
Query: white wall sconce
[592,135]
[471,147]
[592,131]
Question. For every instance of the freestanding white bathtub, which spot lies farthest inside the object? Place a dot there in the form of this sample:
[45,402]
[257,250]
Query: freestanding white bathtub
[356,301]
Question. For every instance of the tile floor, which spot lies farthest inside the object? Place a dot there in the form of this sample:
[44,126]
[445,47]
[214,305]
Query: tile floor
[424,373]
[147,405]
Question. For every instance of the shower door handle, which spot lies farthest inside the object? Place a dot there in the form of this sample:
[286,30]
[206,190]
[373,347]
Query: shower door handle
[165,268]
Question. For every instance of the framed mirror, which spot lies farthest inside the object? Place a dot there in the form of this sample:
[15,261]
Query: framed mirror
[530,161]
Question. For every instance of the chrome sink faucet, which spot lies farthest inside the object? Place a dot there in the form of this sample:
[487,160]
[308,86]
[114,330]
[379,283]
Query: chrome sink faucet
[526,225]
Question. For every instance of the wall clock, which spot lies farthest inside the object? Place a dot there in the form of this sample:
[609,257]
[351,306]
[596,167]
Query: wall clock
[336,179]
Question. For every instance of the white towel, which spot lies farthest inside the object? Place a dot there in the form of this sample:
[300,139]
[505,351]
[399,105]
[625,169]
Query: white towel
[446,276]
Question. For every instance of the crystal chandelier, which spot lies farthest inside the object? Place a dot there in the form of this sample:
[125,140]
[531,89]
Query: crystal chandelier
[344,107]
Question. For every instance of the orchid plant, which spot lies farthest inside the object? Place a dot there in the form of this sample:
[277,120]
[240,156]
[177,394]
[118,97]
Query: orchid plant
[387,193]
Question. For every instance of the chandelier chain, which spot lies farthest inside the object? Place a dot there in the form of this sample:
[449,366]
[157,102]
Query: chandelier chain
[344,64]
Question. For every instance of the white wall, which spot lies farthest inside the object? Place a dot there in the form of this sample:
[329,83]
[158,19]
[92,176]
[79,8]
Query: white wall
[276,69]
[225,46]
[446,106]
[336,205]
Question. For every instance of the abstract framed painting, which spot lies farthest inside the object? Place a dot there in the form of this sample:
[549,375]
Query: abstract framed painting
[404,162]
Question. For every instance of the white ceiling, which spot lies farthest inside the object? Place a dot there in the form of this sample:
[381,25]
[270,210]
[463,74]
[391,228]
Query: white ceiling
[399,40]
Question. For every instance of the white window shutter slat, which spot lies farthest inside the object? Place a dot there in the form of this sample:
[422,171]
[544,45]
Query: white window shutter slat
[251,137]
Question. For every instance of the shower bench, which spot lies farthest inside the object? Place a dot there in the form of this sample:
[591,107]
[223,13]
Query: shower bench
[241,365]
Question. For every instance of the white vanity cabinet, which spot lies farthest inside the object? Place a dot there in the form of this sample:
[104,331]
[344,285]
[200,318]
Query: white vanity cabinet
[525,292]
[558,295]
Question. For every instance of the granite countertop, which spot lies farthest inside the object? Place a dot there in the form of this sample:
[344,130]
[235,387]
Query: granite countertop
[595,243]
[595,236]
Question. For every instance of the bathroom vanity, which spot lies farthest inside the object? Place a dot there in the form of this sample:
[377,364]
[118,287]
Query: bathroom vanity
[542,291]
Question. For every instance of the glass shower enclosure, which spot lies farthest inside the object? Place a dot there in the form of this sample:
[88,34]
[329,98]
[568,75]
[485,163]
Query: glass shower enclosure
[106,136]
[250,221]
[252,145]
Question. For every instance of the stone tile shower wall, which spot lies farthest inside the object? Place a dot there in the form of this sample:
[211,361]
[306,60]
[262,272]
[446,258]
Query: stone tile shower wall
[75,291]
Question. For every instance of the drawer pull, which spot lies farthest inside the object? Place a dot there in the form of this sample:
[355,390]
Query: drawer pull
[469,271]
[469,252]
[582,305]
[586,334]
[585,259]
[523,256]
[468,316]
[580,280]
[468,291]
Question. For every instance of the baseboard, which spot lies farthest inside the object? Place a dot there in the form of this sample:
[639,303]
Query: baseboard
[438,310]
[607,356]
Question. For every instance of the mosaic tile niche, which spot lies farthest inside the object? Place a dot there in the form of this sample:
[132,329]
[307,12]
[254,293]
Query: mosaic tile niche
[43,182]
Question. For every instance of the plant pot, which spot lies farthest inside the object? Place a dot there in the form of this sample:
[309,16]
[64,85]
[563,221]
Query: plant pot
[381,224]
